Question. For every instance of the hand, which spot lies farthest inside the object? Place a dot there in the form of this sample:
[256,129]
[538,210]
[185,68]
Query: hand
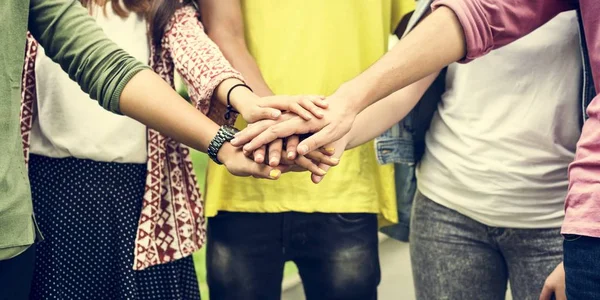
[336,122]
[256,109]
[555,285]
[310,162]
[336,150]
[239,165]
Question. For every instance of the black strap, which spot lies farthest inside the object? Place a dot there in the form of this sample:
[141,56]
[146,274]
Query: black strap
[230,109]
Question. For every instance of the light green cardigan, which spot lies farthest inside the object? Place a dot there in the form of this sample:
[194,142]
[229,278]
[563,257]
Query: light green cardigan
[71,38]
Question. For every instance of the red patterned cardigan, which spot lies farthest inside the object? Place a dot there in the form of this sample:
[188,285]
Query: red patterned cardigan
[171,224]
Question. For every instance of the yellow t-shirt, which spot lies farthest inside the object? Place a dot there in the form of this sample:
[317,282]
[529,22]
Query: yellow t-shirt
[311,47]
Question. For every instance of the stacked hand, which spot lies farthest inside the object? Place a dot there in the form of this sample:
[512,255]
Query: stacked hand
[271,163]
[276,141]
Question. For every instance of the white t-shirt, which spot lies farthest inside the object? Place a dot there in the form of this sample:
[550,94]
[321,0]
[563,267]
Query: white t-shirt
[69,123]
[506,130]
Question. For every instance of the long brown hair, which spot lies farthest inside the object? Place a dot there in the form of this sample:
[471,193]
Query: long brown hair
[159,15]
[157,12]
[137,6]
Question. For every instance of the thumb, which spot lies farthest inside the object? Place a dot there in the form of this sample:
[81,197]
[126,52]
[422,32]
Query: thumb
[316,141]
[547,293]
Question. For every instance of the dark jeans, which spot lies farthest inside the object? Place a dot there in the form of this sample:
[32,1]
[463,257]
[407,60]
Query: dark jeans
[336,254]
[16,274]
[455,257]
[582,267]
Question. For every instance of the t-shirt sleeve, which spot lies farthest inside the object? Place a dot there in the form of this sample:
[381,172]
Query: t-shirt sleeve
[400,8]
[491,24]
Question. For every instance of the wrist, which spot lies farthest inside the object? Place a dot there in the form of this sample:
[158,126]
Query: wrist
[242,99]
[352,96]
[226,152]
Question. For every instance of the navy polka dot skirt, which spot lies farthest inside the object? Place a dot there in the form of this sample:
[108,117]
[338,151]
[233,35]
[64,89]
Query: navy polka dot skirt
[88,212]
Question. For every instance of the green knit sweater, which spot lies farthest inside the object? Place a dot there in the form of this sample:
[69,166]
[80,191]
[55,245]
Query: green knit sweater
[71,38]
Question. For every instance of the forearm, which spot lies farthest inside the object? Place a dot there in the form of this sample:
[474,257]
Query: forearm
[435,43]
[238,55]
[224,24]
[389,111]
[238,96]
[150,100]
[456,29]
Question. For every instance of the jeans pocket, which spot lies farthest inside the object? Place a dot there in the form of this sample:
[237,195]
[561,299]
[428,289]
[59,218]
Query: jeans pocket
[352,217]
[571,237]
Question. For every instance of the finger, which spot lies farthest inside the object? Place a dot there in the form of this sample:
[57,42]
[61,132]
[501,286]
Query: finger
[317,140]
[314,105]
[316,178]
[263,171]
[281,130]
[560,294]
[249,133]
[247,153]
[259,155]
[291,144]
[262,113]
[304,106]
[275,149]
[320,101]
[319,157]
[547,293]
[309,165]
[302,112]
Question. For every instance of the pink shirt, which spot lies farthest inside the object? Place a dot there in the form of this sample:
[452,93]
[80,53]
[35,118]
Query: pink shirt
[490,24]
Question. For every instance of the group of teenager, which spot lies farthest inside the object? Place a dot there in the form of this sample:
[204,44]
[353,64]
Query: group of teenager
[102,202]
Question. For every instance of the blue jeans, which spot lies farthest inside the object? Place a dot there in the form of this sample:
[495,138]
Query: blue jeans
[582,267]
[456,257]
[336,254]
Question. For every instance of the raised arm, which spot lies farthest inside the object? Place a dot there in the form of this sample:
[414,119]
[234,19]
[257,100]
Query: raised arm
[389,111]
[457,29]
[123,85]
[224,24]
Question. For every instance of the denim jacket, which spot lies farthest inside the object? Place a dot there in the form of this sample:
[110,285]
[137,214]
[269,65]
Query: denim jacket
[404,143]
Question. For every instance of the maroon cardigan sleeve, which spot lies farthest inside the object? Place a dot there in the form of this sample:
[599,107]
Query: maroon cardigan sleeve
[491,24]
[198,60]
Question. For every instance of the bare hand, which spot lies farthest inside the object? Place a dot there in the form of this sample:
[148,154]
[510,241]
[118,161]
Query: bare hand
[271,107]
[335,124]
[239,165]
[555,285]
[336,150]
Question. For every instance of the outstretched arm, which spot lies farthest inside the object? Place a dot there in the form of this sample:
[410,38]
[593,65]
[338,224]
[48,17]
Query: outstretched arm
[123,85]
[456,29]
[387,112]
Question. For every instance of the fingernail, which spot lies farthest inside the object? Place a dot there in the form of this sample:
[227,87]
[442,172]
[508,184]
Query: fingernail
[322,171]
[290,155]
[246,147]
[259,157]
[234,141]
[330,150]
[276,114]
[303,149]
[275,173]
[335,160]
[318,179]
[272,161]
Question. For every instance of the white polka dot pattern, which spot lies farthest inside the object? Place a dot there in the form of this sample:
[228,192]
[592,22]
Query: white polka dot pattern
[88,212]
